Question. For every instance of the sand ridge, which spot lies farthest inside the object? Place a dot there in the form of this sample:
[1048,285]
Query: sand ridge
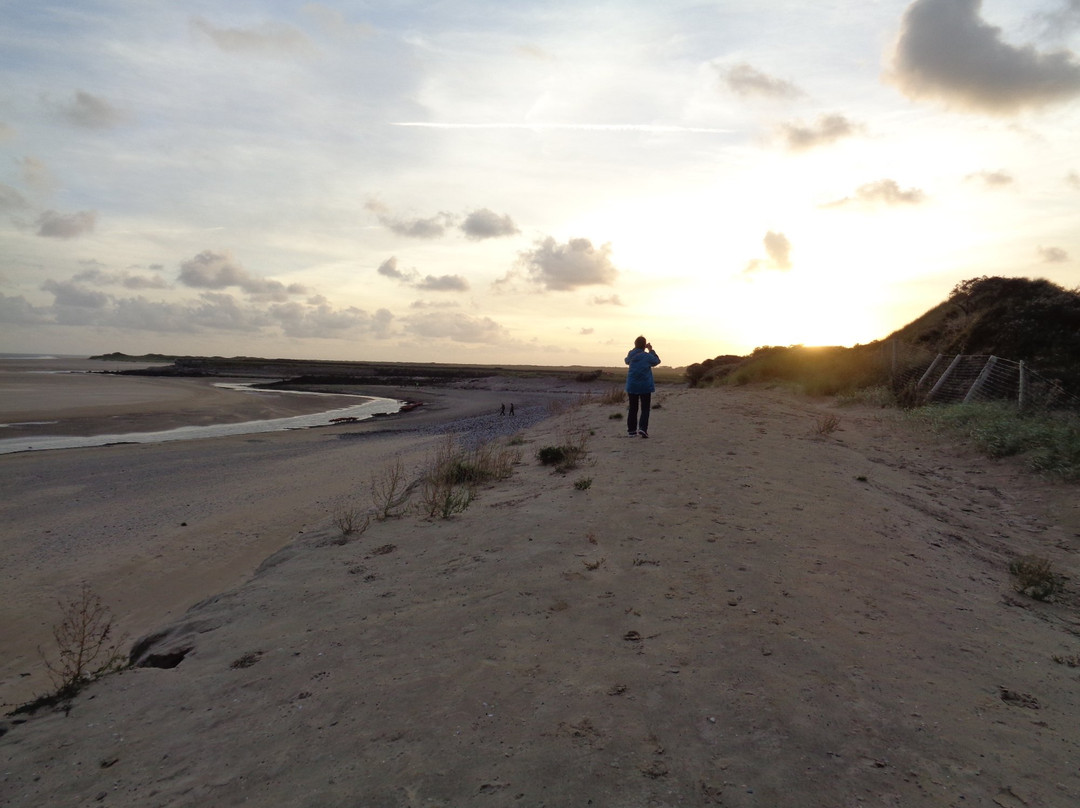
[737,611]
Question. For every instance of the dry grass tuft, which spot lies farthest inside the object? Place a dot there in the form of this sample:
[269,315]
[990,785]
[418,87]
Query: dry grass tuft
[826,425]
[1035,577]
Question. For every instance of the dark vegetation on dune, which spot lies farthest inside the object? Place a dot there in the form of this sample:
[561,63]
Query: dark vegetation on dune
[1034,321]
[1016,319]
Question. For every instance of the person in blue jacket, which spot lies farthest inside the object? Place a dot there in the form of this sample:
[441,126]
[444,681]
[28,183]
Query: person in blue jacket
[640,387]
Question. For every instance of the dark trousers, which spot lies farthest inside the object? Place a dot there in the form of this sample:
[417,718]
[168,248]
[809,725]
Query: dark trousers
[633,423]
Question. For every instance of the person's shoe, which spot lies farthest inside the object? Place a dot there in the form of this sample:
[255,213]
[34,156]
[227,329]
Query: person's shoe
[631,434]
[643,433]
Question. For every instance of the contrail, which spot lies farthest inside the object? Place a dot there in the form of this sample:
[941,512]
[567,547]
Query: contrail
[585,127]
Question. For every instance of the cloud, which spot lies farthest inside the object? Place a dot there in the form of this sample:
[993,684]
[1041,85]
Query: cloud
[389,269]
[432,227]
[458,327]
[92,112]
[69,293]
[7,132]
[36,175]
[1073,180]
[11,199]
[431,283]
[742,79]
[563,267]
[946,52]
[336,24]
[19,311]
[828,129]
[992,179]
[101,277]
[268,38]
[484,223]
[1064,20]
[76,305]
[585,332]
[324,322]
[1053,255]
[210,270]
[881,192]
[72,225]
[610,300]
[778,250]
[443,283]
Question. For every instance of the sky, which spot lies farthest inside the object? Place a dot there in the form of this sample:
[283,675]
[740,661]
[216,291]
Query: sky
[506,182]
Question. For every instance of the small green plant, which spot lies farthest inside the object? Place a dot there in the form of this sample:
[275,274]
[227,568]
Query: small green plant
[615,416]
[1035,577]
[389,491]
[551,455]
[85,646]
[583,483]
[564,457]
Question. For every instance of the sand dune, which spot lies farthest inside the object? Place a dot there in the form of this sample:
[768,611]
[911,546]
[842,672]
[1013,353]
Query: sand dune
[737,611]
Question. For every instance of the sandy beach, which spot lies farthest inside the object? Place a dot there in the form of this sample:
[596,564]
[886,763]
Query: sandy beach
[738,611]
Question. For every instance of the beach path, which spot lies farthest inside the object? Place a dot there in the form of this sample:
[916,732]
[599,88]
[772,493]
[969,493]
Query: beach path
[755,606]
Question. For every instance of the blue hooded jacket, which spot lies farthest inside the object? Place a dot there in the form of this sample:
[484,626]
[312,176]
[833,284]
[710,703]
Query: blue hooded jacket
[639,378]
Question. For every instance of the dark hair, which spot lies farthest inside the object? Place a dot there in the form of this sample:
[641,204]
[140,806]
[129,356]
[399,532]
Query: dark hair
[640,342]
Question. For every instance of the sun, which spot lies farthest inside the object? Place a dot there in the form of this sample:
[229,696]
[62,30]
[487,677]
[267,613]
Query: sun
[778,308]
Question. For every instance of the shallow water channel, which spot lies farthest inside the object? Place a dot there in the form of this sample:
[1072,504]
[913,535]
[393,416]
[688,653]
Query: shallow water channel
[368,409]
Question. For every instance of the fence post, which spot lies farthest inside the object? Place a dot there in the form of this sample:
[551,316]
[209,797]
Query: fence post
[1022,385]
[943,377]
[929,370]
[983,375]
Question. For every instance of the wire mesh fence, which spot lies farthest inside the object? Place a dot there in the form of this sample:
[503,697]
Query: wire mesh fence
[927,378]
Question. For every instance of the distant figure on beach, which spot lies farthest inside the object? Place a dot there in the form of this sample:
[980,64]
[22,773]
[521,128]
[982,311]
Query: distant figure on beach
[502,409]
[511,407]
[639,386]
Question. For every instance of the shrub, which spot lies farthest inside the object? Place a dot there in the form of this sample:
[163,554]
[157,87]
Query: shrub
[1035,577]
[442,499]
[84,641]
[350,521]
[454,473]
[390,491]
[583,483]
[552,455]
[826,425]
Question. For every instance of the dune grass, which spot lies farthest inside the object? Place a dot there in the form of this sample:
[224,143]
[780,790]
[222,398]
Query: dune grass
[1049,442]
[814,371]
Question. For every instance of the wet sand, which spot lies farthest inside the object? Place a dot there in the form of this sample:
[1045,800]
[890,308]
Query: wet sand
[154,528]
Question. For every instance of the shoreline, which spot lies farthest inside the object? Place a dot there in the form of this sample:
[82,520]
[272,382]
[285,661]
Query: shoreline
[157,527]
